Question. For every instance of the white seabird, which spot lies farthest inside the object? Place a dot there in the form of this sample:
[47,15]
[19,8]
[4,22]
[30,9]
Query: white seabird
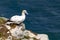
[18,19]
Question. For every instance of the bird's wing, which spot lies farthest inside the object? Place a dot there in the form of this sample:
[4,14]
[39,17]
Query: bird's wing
[17,18]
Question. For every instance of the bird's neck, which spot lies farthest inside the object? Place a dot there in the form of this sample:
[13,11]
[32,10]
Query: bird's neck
[23,14]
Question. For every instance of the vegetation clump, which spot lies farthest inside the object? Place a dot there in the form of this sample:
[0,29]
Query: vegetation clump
[3,20]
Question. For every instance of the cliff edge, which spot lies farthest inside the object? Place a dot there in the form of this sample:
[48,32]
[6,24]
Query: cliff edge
[12,31]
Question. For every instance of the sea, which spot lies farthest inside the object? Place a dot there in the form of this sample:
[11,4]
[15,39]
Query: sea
[43,15]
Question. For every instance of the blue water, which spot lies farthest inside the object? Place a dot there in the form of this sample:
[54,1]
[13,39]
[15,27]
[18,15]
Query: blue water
[44,15]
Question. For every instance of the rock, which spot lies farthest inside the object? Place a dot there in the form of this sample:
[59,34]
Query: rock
[3,31]
[29,33]
[17,31]
[26,33]
[9,38]
[12,31]
[31,39]
[24,39]
[42,37]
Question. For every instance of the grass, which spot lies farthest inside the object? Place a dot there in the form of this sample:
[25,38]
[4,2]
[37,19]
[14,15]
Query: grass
[2,20]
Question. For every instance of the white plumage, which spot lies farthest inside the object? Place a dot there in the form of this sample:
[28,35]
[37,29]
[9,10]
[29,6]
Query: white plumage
[18,19]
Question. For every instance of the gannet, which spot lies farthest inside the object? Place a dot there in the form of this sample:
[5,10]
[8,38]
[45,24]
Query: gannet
[18,19]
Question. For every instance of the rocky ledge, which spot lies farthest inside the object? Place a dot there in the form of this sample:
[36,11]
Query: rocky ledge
[12,31]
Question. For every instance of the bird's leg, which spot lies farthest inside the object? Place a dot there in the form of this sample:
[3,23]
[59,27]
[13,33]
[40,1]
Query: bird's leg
[20,24]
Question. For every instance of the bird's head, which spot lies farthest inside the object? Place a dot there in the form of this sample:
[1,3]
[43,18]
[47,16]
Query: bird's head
[25,12]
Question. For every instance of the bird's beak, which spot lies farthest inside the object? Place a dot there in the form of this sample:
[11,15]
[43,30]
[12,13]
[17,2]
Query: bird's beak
[27,13]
